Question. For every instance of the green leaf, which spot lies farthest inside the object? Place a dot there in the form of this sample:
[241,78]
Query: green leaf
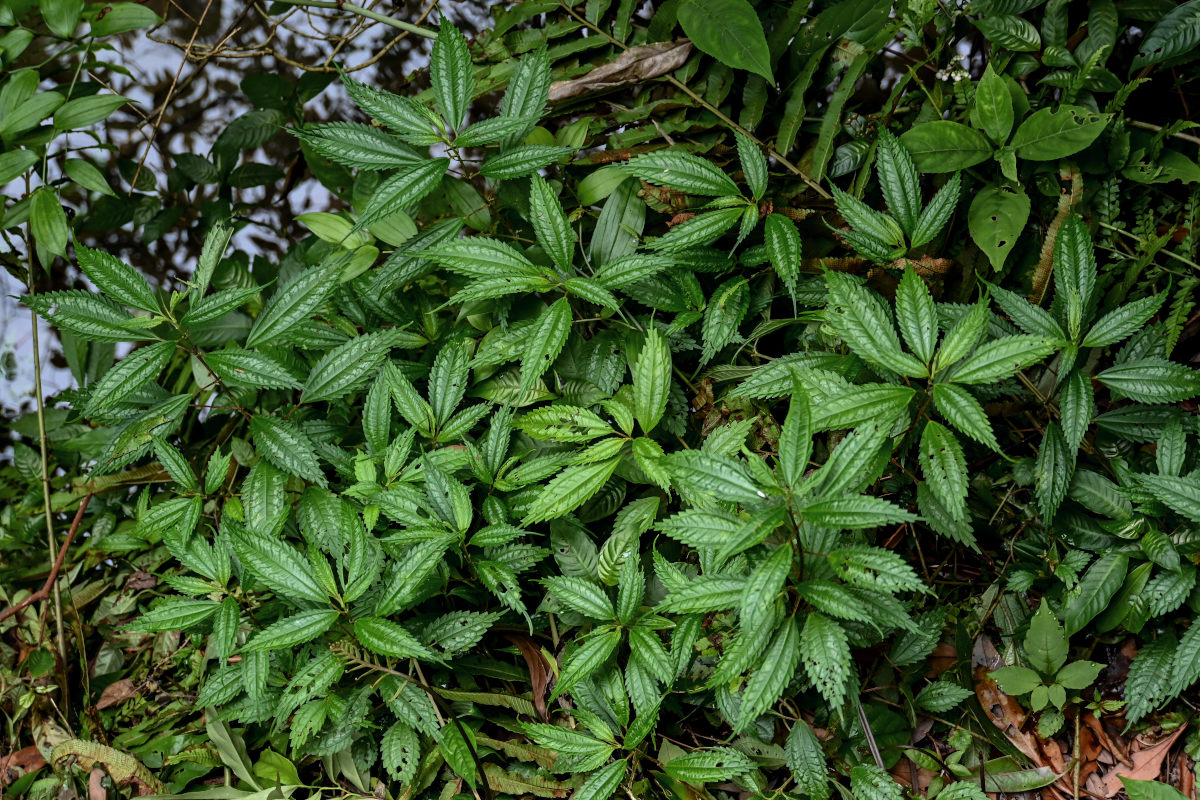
[549,224]
[582,596]
[702,229]
[962,336]
[1152,380]
[587,658]
[86,175]
[709,765]
[404,115]
[1097,587]
[450,74]
[941,696]
[1078,675]
[795,439]
[861,321]
[992,111]
[855,512]
[292,631]
[936,215]
[570,489]
[287,447]
[1045,643]
[1000,359]
[681,171]
[400,752]
[754,164]
[945,146]
[522,161]
[564,424]
[729,31]
[704,595]
[726,309]
[1010,32]
[880,228]
[944,467]
[651,380]
[402,191]
[870,782]
[480,257]
[128,375]
[353,144]
[84,112]
[527,92]
[1053,133]
[825,654]
[14,163]
[1150,790]
[996,219]
[1176,33]
[724,478]
[1016,681]
[122,18]
[347,366]
[806,760]
[899,181]
[546,340]
[1076,406]
[602,784]
[916,315]
[48,223]
[783,248]
[389,639]
[239,367]
[174,615]
[1181,495]
[278,565]
[964,412]
[1123,322]
[772,675]
[296,301]
[1053,470]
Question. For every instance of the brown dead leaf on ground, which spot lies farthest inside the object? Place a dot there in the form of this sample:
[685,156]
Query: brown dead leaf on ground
[96,790]
[635,64]
[27,759]
[1005,712]
[1147,764]
[116,693]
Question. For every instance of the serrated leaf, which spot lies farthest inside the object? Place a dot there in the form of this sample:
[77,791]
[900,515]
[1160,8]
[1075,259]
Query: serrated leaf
[806,760]
[1054,468]
[944,466]
[726,309]
[1123,322]
[582,596]
[709,765]
[1152,380]
[683,172]
[941,696]
[825,654]
[292,631]
[1181,495]
[1097,587]
[862,323]
[278,566]
[296,301]
[553,232]
[128,375]
[400,752]
[287,447]
[754,164]
[916,315]
[772,675]
[389,639]
[993,361]
[402,191]
[116,279]
[450,74]
[651,380]
[570,489]
[964,412]
[899,181]
[784,247]
[353,144]
[546,341]
[522,161]
[240,367]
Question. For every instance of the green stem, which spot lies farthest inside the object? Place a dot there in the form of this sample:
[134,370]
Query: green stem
[368,13]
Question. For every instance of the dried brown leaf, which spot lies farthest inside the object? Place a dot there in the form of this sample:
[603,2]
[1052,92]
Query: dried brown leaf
[636,64]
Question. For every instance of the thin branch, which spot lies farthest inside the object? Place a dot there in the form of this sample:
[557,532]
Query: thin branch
[44,592]
[366,12]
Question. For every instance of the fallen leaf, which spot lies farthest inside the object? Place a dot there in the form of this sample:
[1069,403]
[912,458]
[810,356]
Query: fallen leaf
[639,63]
[1147,764]
[96,790]
[539,670]
[27,759]
[116,693]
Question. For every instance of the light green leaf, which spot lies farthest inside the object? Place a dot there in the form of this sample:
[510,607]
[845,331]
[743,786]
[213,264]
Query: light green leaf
[996,220]
[1053,133]
[291,631]
[549,224]
[450,74]
[729,31]
[945,146]
[651,380]
[128,375]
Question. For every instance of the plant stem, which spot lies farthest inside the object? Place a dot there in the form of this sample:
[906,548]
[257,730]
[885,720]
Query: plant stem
[683,87]
[368,13]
